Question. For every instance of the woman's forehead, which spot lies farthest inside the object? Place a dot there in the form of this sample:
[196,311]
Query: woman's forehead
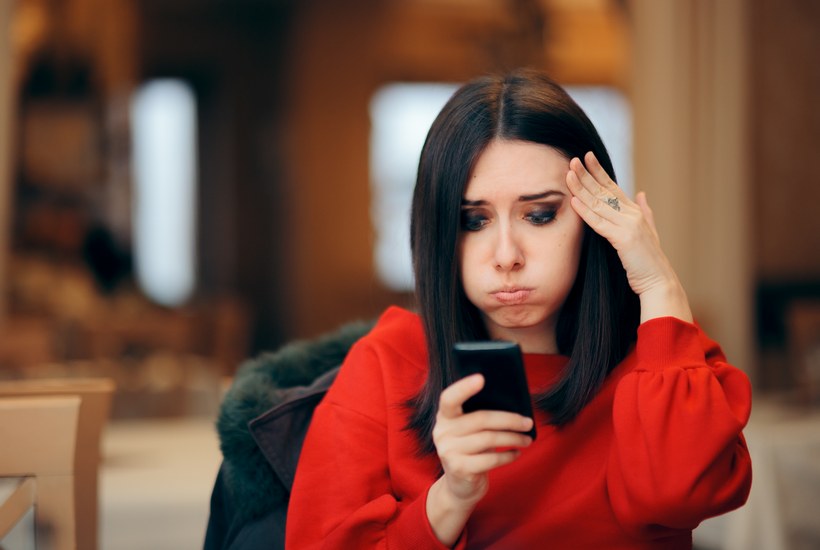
[519,168]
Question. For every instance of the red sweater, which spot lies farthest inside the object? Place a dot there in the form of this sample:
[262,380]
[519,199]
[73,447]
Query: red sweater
[656,451]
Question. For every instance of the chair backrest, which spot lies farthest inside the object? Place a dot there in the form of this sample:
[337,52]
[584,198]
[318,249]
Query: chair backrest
[96,395]
[38,437]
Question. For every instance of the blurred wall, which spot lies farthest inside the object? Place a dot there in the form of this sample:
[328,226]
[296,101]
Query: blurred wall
[785,138]
[7,102]
[690,97]
[784,231]
[327,266]
[722,95]
[726,126]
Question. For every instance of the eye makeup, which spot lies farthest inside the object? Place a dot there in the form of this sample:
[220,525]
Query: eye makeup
[541,215]
[472,219]
[476,218]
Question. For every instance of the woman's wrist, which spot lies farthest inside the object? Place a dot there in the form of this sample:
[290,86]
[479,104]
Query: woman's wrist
[446,514]
[666,300]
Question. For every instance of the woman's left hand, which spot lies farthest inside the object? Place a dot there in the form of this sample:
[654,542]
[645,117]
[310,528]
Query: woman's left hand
[630,228]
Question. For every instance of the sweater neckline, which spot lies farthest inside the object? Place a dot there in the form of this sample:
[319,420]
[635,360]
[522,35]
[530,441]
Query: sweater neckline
[543,369]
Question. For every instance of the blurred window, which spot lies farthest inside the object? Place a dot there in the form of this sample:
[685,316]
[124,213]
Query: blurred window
[163,114]
[610,112]
[401,115]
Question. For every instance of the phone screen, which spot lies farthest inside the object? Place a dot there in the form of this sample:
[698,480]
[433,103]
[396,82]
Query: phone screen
[505,381]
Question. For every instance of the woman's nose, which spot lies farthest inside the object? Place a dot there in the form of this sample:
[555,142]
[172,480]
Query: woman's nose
[508,253]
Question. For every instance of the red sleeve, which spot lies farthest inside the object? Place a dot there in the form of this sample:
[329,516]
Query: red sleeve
[679,455]
[342,494]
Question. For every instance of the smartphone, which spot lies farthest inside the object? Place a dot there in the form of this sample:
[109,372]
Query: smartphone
[505,381]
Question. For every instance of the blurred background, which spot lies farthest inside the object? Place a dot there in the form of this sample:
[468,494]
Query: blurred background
[187,183]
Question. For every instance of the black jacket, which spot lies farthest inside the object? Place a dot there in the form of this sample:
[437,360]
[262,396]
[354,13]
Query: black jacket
[262,424]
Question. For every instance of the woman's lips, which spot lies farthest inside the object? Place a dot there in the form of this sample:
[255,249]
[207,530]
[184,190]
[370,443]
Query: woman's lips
[513,296]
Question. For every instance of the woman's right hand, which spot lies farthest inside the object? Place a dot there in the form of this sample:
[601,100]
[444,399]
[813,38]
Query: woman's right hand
[469,446]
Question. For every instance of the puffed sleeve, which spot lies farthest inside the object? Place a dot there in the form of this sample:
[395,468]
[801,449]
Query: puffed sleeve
[679,455]
[342,495]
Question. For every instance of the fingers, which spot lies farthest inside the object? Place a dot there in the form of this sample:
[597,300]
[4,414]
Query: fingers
[479,440]
[587,193]
[494,421]
[464,466]
[453,420]
[475,443]
[591,209]
[484,441]
[594,178]
[470,445]
[597,199]
[454,396]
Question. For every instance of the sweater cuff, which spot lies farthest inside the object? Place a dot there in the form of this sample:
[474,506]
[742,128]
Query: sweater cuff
[407,529]
[668,342]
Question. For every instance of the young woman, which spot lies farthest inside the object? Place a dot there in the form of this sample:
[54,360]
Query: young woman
[520,233]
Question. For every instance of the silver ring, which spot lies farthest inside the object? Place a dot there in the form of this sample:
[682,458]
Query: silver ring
[613,202]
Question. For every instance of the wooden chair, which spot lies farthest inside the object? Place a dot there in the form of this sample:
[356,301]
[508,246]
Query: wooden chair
[38,437]
[95,395]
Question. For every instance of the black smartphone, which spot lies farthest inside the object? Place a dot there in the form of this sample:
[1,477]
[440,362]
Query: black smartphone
[505,381]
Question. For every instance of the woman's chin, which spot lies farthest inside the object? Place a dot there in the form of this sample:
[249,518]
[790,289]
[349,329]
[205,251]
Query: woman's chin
[518,318]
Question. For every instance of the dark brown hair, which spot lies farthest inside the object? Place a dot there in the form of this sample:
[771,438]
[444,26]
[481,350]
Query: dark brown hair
[599,319]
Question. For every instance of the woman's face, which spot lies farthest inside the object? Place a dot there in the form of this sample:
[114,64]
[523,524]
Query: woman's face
[520,241]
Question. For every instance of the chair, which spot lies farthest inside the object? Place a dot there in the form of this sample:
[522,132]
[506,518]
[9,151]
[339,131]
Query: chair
[38,438]
[95,395]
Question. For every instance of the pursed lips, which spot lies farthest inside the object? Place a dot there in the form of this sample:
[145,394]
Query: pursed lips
[512,295]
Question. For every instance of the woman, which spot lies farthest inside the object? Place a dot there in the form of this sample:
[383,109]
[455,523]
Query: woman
[520,233]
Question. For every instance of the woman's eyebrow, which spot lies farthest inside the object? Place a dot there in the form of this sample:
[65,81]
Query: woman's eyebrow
[522,198]
[538,196]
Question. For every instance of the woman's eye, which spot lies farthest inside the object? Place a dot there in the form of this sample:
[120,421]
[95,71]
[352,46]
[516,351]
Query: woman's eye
[472,222]
[540,217]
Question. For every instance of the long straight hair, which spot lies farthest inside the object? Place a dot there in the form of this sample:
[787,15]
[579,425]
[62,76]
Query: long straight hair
[599,319]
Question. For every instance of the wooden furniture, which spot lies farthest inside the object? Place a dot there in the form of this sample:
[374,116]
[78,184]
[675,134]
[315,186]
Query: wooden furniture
[38,436]
[95,396]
